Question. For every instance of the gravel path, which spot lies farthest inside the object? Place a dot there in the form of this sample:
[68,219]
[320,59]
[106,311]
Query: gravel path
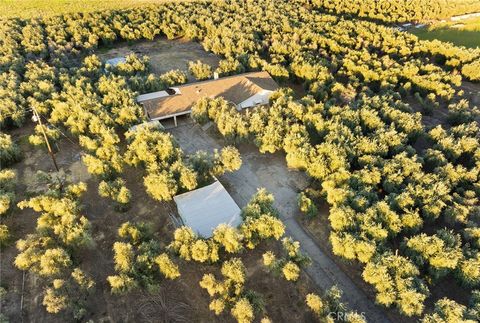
[271,172]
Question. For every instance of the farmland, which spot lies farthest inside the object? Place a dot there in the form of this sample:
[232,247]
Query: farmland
[357,180]
[36,8]
[463,33]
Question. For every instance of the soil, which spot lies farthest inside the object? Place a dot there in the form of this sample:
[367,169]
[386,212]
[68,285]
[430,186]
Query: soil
[164,54]
[181,300]
[270,171]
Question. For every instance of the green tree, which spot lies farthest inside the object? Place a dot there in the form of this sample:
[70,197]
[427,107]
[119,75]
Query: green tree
[199,70]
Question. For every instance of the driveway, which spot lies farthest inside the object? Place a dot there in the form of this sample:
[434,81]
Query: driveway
[270,171]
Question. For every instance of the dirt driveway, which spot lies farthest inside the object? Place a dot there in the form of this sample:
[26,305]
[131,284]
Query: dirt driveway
[271,172]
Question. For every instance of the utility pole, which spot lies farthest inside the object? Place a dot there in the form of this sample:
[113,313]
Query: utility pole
[37,116]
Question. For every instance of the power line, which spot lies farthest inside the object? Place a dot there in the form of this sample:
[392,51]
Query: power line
[58,129]
[46,139]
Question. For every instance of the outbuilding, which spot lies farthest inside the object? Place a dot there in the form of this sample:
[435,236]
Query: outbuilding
[205,208]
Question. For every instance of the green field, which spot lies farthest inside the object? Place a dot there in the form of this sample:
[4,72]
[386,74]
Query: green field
[463,33]
[42,8]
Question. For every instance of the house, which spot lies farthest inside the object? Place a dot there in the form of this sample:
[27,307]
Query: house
[243,90]
[205,208]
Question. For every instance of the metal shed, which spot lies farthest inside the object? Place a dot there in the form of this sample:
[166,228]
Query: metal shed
[205,208]
[115,61]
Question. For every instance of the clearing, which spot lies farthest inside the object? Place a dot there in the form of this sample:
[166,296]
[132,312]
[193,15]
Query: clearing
[465,33]
[164,54]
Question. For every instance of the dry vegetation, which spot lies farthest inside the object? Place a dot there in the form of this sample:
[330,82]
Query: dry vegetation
[387,133]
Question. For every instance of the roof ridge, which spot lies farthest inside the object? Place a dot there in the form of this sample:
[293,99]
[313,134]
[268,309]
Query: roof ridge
[241,75]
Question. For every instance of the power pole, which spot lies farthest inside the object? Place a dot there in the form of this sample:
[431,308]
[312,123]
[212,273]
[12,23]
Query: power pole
[37,116]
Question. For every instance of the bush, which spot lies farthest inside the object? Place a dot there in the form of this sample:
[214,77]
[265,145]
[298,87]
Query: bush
[173,77]
[161,186]
[199,70]
[306,205]
[9,151]
[472,71]
[117,191]
[4,235]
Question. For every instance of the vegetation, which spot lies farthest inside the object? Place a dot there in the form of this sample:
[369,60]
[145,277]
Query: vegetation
[230,293]
[260,223]
[330,307]
[289,265]
[138,260]
[461,33]
[9,151]
[169,172]
[43,8]
[61,232]
[199,70]
[405,211]
[400,11]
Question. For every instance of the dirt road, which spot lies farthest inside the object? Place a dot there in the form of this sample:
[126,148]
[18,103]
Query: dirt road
[271,172]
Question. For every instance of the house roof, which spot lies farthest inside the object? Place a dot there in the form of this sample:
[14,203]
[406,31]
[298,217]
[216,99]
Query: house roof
[236,89]
[205,208]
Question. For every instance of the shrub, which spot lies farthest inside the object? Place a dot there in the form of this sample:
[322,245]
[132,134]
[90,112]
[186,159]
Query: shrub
[9,151]
[199,70]
[4,235]
[117,191]
[472,71]
[306,205]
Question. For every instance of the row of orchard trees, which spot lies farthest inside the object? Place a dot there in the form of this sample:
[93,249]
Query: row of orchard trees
[40,57]
[400,10]
[9,154]
[381,191]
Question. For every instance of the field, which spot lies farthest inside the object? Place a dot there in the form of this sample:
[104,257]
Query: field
[462,33]
[45,8]
[164,55]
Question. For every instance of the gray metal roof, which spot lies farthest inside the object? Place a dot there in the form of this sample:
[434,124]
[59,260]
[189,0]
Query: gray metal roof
[115,61]
[205,208]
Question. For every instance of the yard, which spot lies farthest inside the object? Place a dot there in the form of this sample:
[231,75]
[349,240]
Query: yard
[270,171]
[164,54]
[179,300]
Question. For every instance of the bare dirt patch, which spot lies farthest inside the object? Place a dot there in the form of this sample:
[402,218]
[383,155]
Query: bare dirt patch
[165,55]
